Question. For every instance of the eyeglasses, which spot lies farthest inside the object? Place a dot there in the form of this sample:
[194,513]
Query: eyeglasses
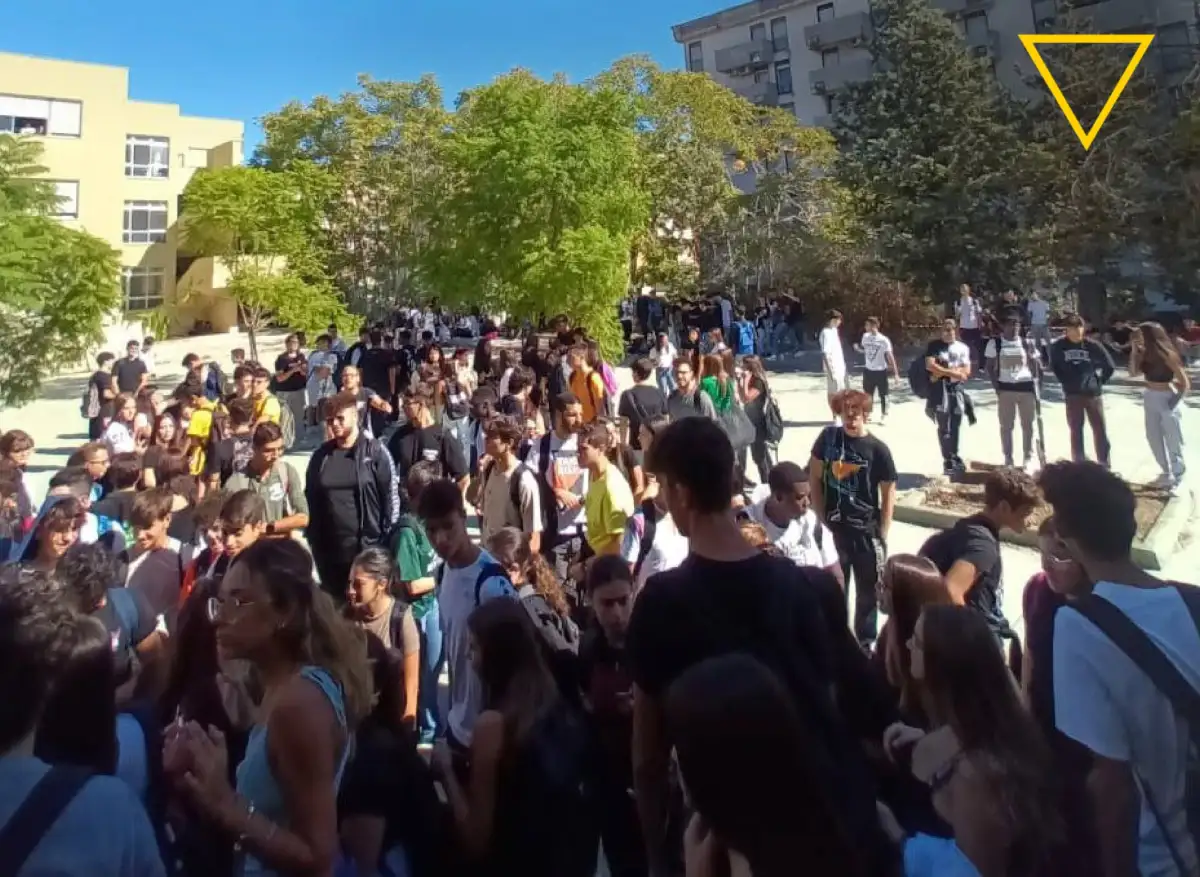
[216,605]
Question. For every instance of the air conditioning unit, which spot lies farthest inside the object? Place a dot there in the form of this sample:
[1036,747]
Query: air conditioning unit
[756,57]
[818,86]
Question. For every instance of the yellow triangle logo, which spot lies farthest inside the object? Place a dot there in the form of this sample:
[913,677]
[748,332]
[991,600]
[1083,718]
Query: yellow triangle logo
[1031,43]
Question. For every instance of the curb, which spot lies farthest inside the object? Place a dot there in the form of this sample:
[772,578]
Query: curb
[1150,553]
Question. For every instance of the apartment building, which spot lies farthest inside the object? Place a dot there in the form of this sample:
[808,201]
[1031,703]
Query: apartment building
[798,54]
[120,167]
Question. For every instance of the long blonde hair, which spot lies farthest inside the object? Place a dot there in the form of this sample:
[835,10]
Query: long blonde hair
[315,632]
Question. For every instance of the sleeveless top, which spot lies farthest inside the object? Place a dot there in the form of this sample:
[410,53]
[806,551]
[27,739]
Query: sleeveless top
[257,784]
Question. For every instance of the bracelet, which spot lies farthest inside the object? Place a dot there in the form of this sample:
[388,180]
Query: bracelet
[245,832]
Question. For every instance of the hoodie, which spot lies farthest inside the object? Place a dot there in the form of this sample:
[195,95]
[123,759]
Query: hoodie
[1082,367]
[26,549]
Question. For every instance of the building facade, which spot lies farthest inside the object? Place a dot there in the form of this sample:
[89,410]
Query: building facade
[798,54]
[120,167]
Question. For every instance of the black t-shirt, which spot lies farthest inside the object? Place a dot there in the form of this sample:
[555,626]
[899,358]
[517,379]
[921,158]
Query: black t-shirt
[375,365]
[117,506]
[227,456]
[338,490]
[158,576]
[128,373]
[704,608]
[977,541]
[641,404]
[853,468]
[605,679]
[412,444]
[103,383]
[297,381]
[1121,336]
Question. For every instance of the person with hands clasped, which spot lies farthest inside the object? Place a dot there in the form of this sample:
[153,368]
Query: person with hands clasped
[281,815]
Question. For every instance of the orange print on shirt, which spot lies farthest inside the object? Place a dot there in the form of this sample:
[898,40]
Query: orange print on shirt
[842,470]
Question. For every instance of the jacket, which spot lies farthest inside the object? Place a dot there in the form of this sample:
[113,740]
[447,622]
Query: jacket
[377,493]
[1082,367]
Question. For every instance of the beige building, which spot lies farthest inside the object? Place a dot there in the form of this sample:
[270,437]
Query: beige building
[120,166]
[798,54]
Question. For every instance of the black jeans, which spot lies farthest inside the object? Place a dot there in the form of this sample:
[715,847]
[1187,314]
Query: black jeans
[877,381]
[861,555]
[949,426]
[620,831]
[764,455]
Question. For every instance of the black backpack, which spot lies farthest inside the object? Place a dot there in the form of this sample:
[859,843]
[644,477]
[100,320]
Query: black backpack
[549,500]
[1171,683]
[772,419]
[549,823]
[919,379]
[559,634]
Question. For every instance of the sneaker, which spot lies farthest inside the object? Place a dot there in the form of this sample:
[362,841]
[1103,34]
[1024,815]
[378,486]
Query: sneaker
[882,419]
[1008,462]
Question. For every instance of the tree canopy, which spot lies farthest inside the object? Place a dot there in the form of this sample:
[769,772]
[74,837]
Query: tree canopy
[57,284]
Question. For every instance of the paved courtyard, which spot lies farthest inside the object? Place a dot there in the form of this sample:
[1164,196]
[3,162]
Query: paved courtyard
[58,430]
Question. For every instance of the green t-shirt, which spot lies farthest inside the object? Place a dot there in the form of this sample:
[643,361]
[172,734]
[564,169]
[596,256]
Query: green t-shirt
[415,558]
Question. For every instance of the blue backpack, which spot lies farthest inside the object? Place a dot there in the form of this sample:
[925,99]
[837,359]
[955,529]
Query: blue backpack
[745,337]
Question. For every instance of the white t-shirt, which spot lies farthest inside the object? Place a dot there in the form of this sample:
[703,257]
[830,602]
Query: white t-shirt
[1102,700]
[563,472]
[456,602]
[876,346]
[1039,312]
[669,549]
[968,313]
[119,438]
[1015,359]
[831,349]
[664,357]
[798,540]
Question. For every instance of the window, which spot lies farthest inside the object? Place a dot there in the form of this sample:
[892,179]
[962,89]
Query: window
[68,199]
[1175,47]
[695,57]
[829,58]
[783,77]
[825,12]
[145,222]
[39,116]
[147,156]
[790,107]
[143,288]
[758,32]
[760,75]
[975,24]
[779,37]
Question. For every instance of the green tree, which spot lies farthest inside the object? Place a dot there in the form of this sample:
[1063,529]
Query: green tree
[378,147]
[260,226]
[933,158]
[57,284]
[543,203]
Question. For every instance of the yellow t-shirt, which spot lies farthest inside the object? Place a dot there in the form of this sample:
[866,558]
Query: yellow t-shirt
[267,408]
[607,506]
[199,431]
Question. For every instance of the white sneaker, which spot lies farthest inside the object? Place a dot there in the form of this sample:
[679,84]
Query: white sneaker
[882,419]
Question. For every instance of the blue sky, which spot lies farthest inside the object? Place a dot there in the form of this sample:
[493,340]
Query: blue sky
[242,59]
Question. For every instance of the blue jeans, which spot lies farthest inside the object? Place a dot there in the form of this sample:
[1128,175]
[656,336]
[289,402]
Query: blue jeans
[430,723]
[666,380]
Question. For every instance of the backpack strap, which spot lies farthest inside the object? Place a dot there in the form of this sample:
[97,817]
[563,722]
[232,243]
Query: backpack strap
[1163,673]
[396,623]
[39,811]
[489,571]
[649,529]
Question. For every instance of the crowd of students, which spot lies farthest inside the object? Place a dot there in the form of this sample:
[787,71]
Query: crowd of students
[649,650]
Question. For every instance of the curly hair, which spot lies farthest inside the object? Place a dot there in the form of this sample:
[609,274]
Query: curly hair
[87,572]
[1010,485]
[314,632]
[511,549]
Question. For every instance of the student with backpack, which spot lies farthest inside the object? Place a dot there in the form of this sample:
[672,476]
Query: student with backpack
[608,701]
[525,809]
[506,493]
[540,590]
[1126,664]
[468,578]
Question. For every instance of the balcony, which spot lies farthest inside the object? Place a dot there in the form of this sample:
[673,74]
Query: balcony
[985,44]
[762,93]
[960,7]
[744,57]
[1110,16]
[828,80]
[852,29]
